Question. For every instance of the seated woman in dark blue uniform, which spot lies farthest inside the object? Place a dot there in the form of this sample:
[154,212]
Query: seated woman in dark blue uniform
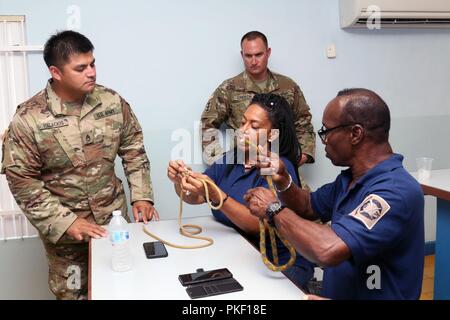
[234,174]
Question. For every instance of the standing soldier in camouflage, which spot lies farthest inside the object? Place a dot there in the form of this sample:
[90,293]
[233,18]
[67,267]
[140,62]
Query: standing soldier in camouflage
[230,100]
[58,157]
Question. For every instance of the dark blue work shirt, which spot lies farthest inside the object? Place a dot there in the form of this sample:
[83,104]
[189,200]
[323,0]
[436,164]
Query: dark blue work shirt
[236,183]
[381,219]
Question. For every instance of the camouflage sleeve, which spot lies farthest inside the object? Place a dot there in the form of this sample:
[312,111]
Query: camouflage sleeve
[22,166]
[214,114]
[134,159]
[303,126]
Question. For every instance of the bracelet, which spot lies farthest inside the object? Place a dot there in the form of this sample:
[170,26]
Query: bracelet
[223,201]
[287,187]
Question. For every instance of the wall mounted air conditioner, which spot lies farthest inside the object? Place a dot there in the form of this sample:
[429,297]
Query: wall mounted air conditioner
[395,13]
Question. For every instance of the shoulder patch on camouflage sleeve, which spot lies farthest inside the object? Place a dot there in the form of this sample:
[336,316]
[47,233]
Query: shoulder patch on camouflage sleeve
[208,105]
[371,210]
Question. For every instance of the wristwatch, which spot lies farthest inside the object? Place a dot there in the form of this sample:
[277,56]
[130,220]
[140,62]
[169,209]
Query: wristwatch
[272,210]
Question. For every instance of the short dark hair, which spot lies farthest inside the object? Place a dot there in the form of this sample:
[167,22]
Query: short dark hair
[252,35]
[62,45]
[367,108]
[282,118]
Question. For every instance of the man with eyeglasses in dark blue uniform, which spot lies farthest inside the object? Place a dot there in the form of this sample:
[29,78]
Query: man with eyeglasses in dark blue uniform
[374,246]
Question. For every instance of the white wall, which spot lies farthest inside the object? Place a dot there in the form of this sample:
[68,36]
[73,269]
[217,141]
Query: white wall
[166,58]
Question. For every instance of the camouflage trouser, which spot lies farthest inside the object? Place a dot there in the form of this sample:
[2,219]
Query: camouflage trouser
[68,270]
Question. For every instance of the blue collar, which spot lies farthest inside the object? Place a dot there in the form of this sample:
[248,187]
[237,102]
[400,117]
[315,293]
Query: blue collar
[393,162]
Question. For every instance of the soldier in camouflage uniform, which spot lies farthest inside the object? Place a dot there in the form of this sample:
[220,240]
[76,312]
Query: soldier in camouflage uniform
[231,99]
[58,157]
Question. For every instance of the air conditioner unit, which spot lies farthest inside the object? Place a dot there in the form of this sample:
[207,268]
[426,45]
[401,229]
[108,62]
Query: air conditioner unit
[395,13]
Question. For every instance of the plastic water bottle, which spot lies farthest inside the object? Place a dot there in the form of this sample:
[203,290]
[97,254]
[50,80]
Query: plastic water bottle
[120,238]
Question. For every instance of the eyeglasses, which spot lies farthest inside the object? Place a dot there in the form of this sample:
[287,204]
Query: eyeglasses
[323,132]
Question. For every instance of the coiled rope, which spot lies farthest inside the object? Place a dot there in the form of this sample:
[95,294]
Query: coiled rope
[192,230]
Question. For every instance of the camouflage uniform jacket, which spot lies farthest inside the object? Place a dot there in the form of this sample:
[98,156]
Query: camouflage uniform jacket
[59,160]
[230,100]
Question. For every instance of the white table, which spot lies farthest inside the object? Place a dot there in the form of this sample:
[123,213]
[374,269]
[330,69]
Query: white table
[157,279]
[438,185]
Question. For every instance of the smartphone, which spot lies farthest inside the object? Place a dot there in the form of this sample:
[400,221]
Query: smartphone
[203,276]
[213,288]
[155,249]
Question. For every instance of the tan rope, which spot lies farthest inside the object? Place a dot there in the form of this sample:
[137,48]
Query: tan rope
[192,230]
[272,232]
[262,228]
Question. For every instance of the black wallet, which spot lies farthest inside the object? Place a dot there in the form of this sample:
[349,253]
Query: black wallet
[212,288]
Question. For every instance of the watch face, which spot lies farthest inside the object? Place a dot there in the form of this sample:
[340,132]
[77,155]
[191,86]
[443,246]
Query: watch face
[274,206]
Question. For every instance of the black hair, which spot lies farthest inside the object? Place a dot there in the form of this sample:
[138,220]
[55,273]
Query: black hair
[252,35]
[62,45]
[367,108]
[281,116]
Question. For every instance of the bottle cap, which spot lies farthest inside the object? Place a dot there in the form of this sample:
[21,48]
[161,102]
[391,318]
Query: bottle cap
[117,213]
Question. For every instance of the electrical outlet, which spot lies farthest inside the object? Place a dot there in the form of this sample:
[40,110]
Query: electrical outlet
[331,51]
